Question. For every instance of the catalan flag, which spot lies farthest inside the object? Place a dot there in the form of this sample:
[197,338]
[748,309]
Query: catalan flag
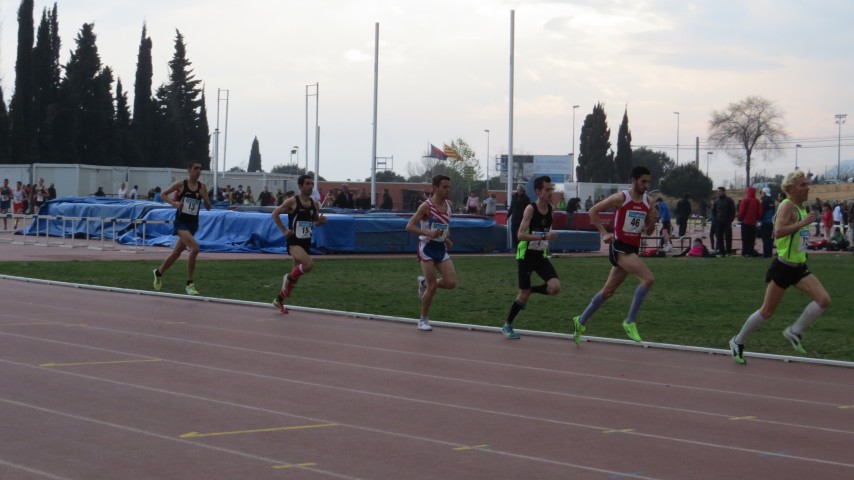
[435,152]
[451,153]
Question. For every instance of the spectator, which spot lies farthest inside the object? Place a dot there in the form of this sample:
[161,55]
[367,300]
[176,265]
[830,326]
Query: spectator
[157,197]
[766,227]
[588,204]
[133,192]
[122,193]
[518,202]
[344,198]
[749,212]
[572,206]
[817,208]
[723,212]
[238,196]
[561,205]
[387,204]
[666,227]
[683,214]
[280,196]
[363,200]
[266,198]
[838,240]
[827,220]
[472,203]
[51,191]
[851,221]
[489,205]
[249,199]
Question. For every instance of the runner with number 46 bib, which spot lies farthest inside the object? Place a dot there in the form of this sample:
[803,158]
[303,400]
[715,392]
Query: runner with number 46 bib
[303,215]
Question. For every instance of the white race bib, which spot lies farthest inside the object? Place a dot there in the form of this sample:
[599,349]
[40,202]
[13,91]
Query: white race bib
[303,229]
[634,222]
[190,206]
[442,228]
[4,198]
[39,198]
[538,245]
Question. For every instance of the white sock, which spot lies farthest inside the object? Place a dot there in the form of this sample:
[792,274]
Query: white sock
[810,313]
[750,325]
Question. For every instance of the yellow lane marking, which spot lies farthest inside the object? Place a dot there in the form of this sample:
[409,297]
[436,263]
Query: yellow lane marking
[625,430]
[260,430]
[295,465]
[98,363]
[473,447]
[749,417]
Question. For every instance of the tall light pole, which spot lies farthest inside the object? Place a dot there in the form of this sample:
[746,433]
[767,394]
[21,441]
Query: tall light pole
[572,163]
[316,111]
[840,119]
[708,154]
[677,137]
[487,158]
[220,98]
[796,155]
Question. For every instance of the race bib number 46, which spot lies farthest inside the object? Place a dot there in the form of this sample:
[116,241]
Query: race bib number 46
[634,221]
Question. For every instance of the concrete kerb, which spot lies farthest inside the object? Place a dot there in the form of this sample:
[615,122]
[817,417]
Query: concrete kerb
[463,326]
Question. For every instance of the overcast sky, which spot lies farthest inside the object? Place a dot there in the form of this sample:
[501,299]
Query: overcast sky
[444,72]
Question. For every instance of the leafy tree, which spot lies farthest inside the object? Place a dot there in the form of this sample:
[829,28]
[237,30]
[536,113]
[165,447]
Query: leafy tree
[387,176]
[753,123]
[688,179]
[595,157]
[144,110]
[658,163]
[236,169]
[86,114]
[623,160]
[254,157]
[21,108]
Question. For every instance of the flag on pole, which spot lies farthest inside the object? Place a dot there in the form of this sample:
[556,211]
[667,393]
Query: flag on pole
[451,153]
[435,152]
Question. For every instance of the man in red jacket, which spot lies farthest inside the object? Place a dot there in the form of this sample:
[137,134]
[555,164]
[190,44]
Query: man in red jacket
[749,212]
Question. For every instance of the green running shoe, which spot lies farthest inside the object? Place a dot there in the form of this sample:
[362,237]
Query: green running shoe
[794,339]
[158,281]
[632,331]
[579,329]
[737,350]
[191,289]
[508,332]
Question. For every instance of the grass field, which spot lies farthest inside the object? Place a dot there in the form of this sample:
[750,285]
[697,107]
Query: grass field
[698,302]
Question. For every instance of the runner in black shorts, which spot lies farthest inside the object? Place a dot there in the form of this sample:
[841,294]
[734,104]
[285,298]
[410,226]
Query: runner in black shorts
[303,214]
[192,194]
[533,250]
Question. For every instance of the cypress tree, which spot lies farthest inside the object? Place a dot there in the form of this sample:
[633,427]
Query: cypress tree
[4,130]
[46,76]
[142,125]
[21,107]
[623,160]
[254,157]
[595,158]
[124,151]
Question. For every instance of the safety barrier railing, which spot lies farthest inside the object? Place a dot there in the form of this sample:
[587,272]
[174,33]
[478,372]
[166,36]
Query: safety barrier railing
[100,232]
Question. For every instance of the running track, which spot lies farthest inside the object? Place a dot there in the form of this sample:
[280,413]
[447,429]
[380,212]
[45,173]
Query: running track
[107,385]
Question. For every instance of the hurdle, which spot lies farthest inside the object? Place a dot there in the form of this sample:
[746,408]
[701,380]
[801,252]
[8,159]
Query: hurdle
[74,222]
[138,247]
[102,245]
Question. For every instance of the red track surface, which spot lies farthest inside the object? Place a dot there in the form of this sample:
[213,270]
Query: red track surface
[99,385]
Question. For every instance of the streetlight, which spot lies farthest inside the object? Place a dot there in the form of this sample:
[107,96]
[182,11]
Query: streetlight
[316,112]
[796,154]
[677,137]
[840,119]
[487,158]
[295,150]
[572,164]
[708,154]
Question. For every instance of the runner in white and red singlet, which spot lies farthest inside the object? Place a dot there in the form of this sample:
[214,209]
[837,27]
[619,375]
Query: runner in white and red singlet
[635,217]
[431,223]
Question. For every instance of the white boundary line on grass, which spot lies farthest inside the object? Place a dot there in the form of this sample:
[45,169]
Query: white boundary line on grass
[387,318]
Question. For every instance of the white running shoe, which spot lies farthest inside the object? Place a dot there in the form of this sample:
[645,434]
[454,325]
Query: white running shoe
[424,325]
[422,286]
[668,247]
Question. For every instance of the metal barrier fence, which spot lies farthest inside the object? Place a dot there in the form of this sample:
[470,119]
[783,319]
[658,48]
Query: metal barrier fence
[39,227]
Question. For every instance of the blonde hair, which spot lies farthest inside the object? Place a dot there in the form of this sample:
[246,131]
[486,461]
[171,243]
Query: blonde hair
[791,179]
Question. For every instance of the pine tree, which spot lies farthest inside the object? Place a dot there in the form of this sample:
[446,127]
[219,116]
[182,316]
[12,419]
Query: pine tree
[254,157]
[124,148]
[623,160]
[144,116]
[21,107]
[185,111]
[86,113]
[595,157]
